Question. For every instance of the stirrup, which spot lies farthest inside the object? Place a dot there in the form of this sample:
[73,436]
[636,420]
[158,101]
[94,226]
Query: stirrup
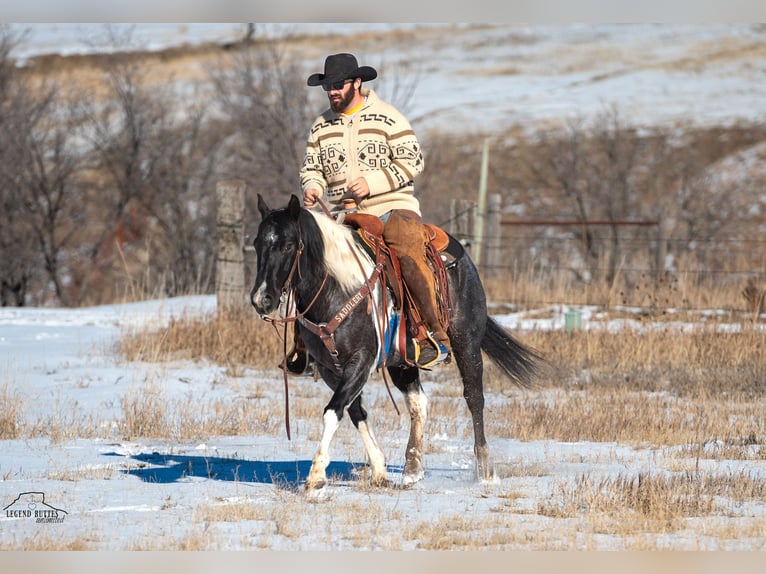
[434,353]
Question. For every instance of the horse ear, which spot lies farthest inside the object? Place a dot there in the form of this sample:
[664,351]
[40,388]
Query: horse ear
[262,207]
[294,207]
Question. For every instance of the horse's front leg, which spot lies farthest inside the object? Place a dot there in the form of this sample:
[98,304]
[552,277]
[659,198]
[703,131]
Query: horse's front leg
[347,388]
[317,478]
[374,452]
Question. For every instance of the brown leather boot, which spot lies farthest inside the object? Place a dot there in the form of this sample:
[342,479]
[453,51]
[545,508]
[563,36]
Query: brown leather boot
[298,360]
[420,283]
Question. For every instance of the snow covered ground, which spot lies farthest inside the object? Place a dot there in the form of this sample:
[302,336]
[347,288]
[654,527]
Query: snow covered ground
[242,491]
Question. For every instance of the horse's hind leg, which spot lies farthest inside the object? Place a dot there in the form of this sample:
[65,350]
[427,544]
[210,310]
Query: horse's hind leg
[377,459]
[469,363]
[407,380]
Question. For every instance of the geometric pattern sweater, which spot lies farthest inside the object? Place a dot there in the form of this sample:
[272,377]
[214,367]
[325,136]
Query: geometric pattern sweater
[376,143]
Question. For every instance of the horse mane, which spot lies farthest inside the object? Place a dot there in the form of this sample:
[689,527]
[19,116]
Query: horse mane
[342,253]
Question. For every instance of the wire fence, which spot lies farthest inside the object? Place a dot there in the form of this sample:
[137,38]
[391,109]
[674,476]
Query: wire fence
[560,257]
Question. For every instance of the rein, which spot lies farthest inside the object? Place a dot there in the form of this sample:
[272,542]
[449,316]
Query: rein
[326,331]
[287,294]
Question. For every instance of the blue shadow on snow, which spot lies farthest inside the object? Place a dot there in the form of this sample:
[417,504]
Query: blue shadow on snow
[168,468]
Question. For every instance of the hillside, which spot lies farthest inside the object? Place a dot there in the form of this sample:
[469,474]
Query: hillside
[475,78]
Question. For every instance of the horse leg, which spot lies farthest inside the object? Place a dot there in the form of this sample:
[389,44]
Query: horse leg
[377,459]
[347,387]
[317,478]
[407,380]
[469,362]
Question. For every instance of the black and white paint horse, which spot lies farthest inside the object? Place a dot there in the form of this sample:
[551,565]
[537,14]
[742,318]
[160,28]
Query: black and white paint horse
[320,264]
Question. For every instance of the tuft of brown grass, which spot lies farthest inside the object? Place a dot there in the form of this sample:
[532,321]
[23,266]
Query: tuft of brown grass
[145,412]
[234,340]
[755,297]
[10,413]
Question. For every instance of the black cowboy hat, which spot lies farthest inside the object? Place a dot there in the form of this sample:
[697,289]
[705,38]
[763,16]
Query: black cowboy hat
[340,67]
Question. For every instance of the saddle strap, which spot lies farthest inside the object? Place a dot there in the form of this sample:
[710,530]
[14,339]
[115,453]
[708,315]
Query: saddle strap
[326,331]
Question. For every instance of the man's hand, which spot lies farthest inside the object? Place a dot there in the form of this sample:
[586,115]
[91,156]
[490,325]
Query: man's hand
[359,189]
[310,196]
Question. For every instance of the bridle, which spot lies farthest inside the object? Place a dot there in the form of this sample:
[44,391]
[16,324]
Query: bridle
[324,330]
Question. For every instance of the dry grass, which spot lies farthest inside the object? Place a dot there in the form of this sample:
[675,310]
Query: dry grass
[686,293]
[147,412]
[643,504]
[288,516]
[237,341]
[195,539]
[65,421]
[642,385]
[10,413]
[47,542]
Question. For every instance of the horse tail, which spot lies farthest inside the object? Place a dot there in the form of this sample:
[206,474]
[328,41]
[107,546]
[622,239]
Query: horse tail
[521,364]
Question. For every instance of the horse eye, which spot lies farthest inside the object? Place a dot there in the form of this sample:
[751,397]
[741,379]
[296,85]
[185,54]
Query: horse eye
[288,247]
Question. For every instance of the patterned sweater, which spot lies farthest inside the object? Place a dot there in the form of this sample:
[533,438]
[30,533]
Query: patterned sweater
[376,143]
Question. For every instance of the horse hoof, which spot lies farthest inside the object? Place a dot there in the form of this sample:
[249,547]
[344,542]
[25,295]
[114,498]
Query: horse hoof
[312,486]
[487,475]
[411,478]
[316,493]
[380,482]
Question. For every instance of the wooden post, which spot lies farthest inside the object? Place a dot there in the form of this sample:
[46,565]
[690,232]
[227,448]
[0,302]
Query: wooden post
[230,263]
[493,230]
[661,252]
[461,222]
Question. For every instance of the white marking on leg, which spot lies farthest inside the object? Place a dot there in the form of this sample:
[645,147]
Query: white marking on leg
[317,477]
[377,458]
[417,405]
[485,471]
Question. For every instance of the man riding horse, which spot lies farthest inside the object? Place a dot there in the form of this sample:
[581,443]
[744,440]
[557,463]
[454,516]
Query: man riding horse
[362,150]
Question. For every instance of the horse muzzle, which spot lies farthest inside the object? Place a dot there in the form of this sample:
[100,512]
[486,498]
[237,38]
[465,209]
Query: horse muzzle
[263,302]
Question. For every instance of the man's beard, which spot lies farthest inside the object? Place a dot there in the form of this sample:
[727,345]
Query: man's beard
[340,105]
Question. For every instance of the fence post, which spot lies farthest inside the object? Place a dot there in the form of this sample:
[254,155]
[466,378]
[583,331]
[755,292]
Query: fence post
[230,262]
[493,250]
[462,221]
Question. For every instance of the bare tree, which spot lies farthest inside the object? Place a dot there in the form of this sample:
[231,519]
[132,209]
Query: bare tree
[16,243]
[181,207]
[155,162]
[613,184]
[39,167]
[47,172]
[262,95]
